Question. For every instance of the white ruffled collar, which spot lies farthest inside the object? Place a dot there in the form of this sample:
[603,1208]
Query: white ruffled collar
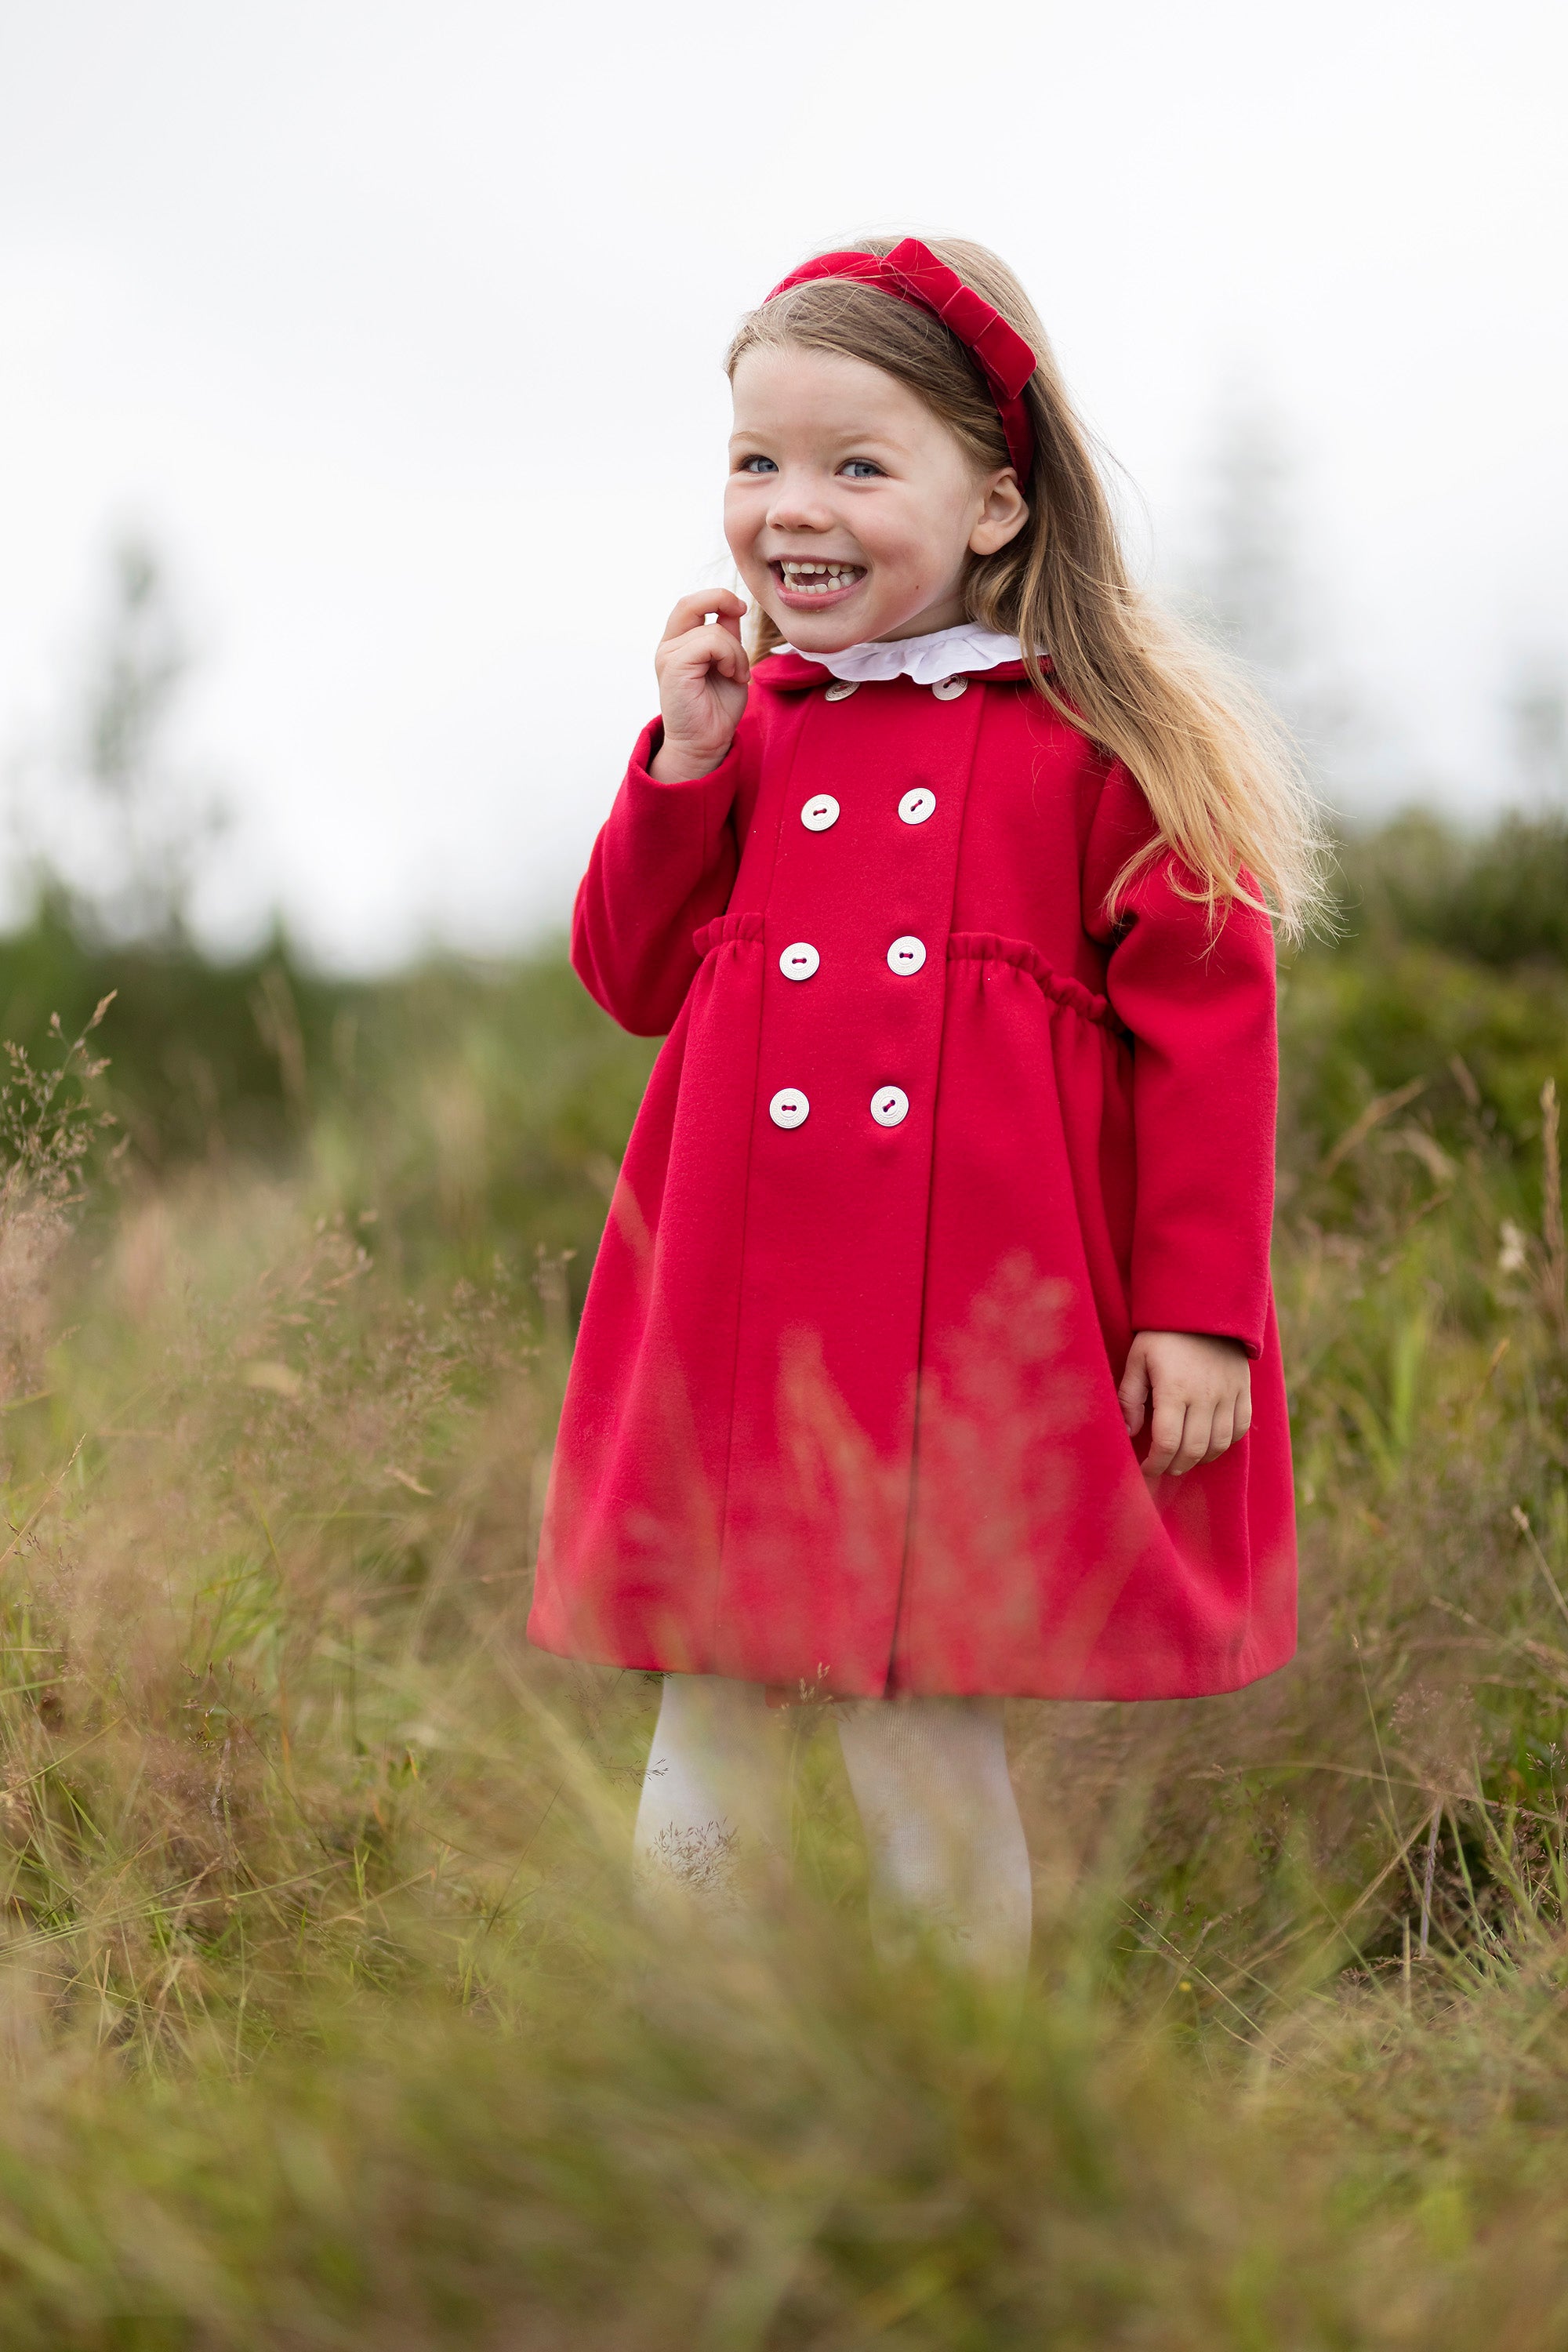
[927,660]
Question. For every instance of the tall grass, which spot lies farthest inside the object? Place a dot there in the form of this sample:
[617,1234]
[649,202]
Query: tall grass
[324,2019]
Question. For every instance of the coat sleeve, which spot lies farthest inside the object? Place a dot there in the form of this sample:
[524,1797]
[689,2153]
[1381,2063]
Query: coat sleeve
[1199,1004]
[664,864]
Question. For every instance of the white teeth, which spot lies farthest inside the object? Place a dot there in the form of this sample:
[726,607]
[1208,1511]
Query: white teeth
[818,578]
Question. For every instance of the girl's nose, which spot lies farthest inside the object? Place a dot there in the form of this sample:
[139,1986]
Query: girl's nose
[797,505]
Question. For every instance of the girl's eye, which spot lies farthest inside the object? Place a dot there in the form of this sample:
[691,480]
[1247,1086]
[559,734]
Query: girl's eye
[861,469]
[757,465]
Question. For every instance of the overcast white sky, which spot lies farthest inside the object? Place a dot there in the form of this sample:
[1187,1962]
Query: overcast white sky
[398,327]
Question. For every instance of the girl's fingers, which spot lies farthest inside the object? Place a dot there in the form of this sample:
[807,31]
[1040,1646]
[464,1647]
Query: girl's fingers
[703,682]
[1223,1431]
[1164,1437]
[1196,1433]
[1186,1434]
[692,610]
[708,647]
[720,650]
[737,661]
[1194,1416]
[1134,1393]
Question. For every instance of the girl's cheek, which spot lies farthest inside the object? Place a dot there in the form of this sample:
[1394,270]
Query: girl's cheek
[739,531]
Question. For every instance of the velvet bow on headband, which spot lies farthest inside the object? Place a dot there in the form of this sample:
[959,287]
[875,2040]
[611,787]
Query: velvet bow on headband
[912,274]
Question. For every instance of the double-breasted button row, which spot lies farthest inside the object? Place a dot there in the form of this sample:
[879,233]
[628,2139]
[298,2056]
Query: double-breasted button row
[801,960]
[822,810]
[789,1107]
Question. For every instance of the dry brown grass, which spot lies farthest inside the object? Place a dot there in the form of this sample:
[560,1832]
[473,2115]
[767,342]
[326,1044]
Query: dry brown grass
[324,2020]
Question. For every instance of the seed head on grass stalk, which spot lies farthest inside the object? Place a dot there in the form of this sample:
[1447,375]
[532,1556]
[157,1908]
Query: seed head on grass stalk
[1555,1273]
[49,1128]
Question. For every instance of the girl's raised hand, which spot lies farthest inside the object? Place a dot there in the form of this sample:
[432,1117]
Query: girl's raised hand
[1201,1393]
[702,676]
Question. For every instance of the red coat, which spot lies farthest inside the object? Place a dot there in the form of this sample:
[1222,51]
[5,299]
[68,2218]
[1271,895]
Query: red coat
[843,1410]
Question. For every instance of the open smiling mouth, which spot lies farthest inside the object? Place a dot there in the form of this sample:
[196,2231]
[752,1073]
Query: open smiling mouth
[816,583]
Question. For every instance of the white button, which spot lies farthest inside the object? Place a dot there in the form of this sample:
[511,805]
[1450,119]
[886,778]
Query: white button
[841,689]
[948,689]
[889,1106]
[819,814]
[799,961]
[789,1107]
[916,807]
[906,955]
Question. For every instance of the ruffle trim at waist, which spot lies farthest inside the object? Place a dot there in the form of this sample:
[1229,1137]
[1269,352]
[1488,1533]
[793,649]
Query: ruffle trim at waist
[725,927]
[963,946]
[989,947]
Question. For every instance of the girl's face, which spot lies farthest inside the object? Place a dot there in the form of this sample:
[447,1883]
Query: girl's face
[850,510]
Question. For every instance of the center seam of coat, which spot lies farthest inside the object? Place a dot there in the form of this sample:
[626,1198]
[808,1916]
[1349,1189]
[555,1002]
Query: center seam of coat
[746,1197]
[913,1502]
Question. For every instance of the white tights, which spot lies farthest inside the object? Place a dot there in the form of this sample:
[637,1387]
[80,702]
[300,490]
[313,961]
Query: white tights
[930,1778]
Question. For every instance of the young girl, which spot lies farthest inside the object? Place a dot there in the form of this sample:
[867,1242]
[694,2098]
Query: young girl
[930,1356]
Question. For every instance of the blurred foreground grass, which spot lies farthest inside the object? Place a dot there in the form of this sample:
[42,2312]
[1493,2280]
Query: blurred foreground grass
[324,2020]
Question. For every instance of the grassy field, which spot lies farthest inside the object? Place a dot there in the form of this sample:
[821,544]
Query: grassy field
[324,2019]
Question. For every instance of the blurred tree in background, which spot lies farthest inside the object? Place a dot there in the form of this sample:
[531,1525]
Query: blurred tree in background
[112,833]
[1537,706]
[116,827]
[157,827]
[1246,582]
[490,1098]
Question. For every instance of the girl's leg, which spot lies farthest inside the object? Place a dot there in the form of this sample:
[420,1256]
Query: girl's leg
[714,1815]
[929,1777]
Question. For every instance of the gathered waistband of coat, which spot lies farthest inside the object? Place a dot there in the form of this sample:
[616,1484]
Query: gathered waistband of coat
[747,925]
[988,947]
[965,947]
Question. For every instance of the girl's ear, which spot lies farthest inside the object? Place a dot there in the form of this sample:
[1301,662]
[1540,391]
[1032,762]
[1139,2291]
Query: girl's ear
[1003,512]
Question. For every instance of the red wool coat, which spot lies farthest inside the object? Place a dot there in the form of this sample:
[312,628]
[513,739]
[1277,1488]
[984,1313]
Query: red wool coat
[932,1136]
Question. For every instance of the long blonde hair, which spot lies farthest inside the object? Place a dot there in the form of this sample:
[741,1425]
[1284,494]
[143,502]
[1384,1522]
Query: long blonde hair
[1217,770]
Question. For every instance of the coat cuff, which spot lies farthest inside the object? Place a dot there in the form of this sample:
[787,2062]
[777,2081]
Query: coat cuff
[691,813]
[719,781]
[1171,1304]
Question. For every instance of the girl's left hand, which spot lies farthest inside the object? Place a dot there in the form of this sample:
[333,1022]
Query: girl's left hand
[1202,1391]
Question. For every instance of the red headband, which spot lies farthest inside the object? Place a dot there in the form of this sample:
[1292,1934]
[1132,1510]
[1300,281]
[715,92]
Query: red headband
[912,274]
